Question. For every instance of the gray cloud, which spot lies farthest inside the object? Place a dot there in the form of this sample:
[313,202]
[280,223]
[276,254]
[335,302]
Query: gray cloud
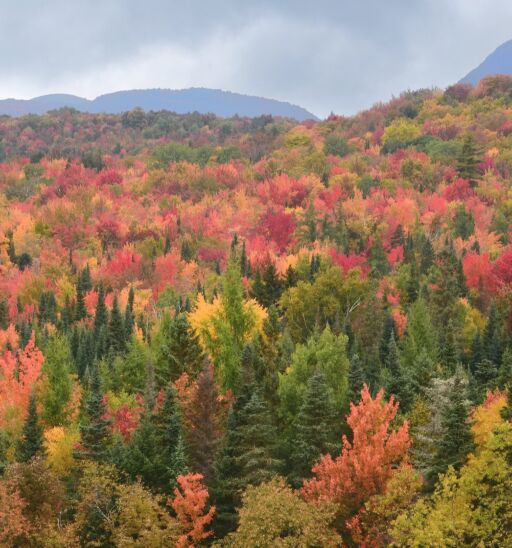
[335,55]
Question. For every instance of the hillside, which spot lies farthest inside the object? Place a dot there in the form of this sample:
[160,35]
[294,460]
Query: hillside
[202,100]
[498,62]
[210,327]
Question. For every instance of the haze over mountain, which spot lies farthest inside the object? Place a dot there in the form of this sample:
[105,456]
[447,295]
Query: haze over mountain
[498,62]
[203,100]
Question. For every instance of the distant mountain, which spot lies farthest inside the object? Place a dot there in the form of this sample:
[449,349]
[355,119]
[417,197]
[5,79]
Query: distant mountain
[498,62]
[204,100]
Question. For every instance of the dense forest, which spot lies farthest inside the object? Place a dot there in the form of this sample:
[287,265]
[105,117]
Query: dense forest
[252,332]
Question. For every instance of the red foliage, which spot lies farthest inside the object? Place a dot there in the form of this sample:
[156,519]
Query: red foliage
[277,225]
[189,504]
[365,464]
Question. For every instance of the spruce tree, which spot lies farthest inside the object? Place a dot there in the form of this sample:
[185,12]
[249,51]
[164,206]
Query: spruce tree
[457,439]
[477,352]
[31,441]
[356,379]
[492,336]
[80,308]
[95,432]
[129,319]
[450,351]
[505,372]
[116,334]
[397,383]
[315,429]
[101,314]
[467,162]
[378,258]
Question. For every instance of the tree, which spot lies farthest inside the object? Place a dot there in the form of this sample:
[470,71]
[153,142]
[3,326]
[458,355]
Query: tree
[116,333]
[398,383]
[31,442]
[177,349]
[467,162]
[204,423]
[14,526]
[420,335]
[366,464]
[355,379]
[267,287]
[457,440]
[492,337]
[58,384]
[273,515]
[190,505]
[129,319]
[94,431]
[325,352]
[315,428]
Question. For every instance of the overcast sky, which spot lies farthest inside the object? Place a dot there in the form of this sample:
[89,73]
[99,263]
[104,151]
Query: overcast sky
[325,55]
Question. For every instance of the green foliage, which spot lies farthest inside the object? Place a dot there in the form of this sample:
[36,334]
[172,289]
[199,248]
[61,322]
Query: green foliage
[325,352]
[31,442]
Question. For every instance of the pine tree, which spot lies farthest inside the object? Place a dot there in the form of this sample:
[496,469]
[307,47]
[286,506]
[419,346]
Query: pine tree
[80,309]
[116,333]
[31,442]
[315,429]
[492,337]
[457,439]
[356,379]
[101,314]
[477,352]
[450,352]
[397,383]
[177,349]
[204,422]
[95,432]
[378,258]
[505,372]
[467,162]
[129,319]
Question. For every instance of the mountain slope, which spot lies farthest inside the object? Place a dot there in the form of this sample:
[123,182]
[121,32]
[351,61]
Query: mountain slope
[498,62]
[203,100]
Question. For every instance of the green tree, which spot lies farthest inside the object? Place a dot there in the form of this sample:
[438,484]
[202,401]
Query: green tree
[31,442]
[457,440]
[94,431]
[58,385]
[315,430]
[323,351]
[467,162]
[116,333]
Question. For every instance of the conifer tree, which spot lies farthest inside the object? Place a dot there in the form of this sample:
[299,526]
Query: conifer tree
[116,334]
[378,258]
[457,439]
[450,352]
[356,379]
[477,352]
[427,256]
[95,432]
[129,320]
[31,441]
[204,423]
[467,162]
[315,429]
[505,372]
[492,337]
[397,382]
[101,314]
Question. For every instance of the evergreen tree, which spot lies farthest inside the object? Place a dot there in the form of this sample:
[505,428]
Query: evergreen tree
[427,256]
[387,329]
[267,287]
[450,351]
[204,424]
[58,386]
[186,251]
[101,314]
[31,441]
[477,352]
[95,432]
[492,337]
[315,429]
[116,333]
[397,382]
[129,319]
[80,308]
[398,237]
[356,379]
[505,372]
[177,349]
[378,258]
[47,308]
[457,439]
[467,162]
[485,378]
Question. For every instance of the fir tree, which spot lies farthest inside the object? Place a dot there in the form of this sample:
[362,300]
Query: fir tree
[31,442]
[356,379]
[129,320]
[116,333]
[427,256]
[492,337]
[467,162]
[80,308]
[457,439]
[95,432]
[505,372]
[378,258]
[315,429]
[477,352]
[450,352]
[101,314]
[397,383]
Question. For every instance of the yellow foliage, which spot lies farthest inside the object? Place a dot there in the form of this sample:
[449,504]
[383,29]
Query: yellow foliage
[401,130]
[59,444]
[487,416]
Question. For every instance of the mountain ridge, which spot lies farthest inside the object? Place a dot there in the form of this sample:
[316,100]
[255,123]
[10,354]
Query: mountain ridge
[204,100]
[497,62]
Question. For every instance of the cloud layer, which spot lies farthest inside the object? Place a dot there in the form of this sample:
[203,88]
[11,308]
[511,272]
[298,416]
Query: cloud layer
[327,55]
